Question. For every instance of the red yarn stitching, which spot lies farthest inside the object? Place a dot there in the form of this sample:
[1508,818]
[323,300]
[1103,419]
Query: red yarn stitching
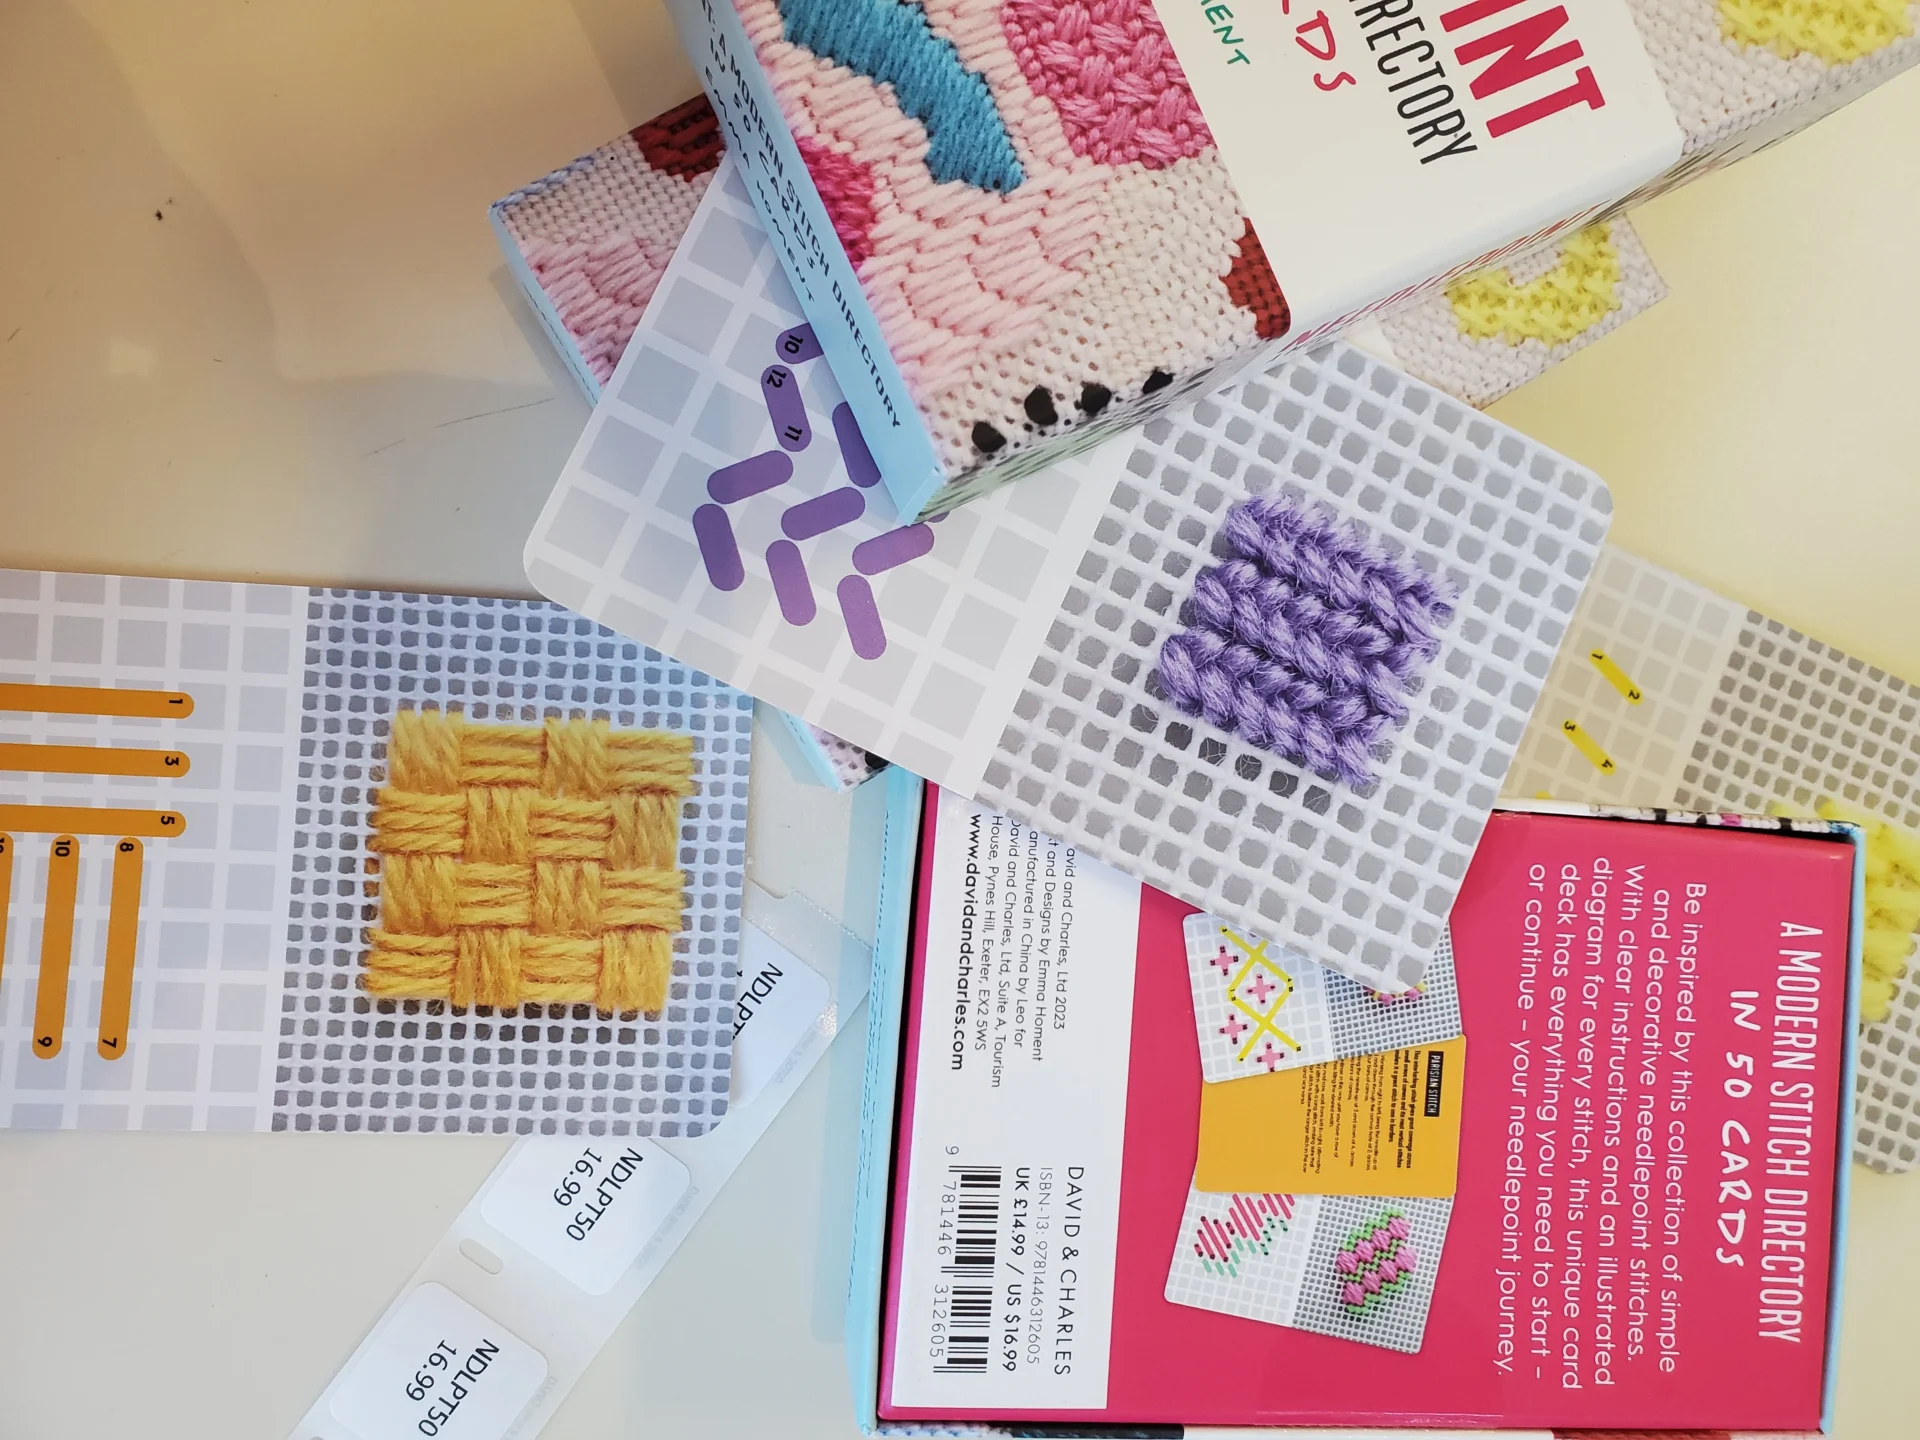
[1252,285]
[684,141]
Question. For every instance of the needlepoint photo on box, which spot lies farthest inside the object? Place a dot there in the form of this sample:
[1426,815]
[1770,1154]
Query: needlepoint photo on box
[306,859]
[1018,226]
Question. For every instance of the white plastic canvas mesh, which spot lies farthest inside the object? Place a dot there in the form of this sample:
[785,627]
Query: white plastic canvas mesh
[350,1062]
[1357,879]
[1736,712]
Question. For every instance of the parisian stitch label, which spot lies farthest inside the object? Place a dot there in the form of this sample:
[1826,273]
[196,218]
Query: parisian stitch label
[1417,138]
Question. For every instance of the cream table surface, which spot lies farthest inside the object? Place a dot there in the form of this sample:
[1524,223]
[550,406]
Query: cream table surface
[253,325]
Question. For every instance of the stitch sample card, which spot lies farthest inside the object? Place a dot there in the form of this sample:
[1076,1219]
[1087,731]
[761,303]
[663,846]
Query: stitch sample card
[1667,693]
[288,859]
[1348,1266]
[1260,1009]
[1271,657]
[1650,1156]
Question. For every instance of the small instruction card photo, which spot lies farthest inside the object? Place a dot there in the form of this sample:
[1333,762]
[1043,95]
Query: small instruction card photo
[1385,1124]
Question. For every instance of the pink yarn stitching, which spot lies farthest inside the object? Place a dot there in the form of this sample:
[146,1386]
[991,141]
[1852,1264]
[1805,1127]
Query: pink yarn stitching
[846,188]
[1091,284]
[600,289]
[952,264]
[1108,67]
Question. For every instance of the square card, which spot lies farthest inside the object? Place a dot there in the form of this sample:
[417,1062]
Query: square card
[278,858]
[1063,651]
[1669,694]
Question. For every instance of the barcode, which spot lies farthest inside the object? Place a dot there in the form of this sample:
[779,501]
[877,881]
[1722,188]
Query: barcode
[967,1349]
[976,1250]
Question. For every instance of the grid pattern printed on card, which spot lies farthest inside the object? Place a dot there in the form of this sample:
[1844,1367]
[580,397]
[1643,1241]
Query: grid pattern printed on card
[1393,1321]
[1365,1022]
[1278,1026]
[1627,696]
[1735,712]
[1357,879]
[934,672]
[349,1062]
[1243,1254]
[205,968]
[1793,722]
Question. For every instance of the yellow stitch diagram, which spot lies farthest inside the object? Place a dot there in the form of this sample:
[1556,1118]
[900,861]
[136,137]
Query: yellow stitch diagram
[1587,746]
[1282,985]
[1616,677]
[67,825]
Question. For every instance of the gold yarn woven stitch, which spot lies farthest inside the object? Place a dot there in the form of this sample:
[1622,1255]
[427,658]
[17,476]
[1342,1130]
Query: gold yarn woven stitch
[528,865]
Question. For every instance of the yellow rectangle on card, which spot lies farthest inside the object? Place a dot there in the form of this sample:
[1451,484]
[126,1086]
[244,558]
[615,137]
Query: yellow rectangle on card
[1386,1124]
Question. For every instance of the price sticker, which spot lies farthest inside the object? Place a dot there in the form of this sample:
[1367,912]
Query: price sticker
[587,1207]
[439,1369]
[778,999]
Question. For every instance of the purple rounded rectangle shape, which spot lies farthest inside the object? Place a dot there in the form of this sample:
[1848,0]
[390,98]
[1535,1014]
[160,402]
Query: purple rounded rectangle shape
[853,448]
[823,513]
[780,387]
[896,547]
[797,345]
[732,483]
[790,583]
[862,615]
[718,548]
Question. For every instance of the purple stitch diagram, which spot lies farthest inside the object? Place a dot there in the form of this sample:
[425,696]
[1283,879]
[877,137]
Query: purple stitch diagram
[1307,637]
[806,519]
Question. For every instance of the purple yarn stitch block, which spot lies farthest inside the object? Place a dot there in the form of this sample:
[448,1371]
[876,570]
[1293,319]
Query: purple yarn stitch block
[1306,638]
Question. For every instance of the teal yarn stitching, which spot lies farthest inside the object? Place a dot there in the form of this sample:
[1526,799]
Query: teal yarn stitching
[892,42]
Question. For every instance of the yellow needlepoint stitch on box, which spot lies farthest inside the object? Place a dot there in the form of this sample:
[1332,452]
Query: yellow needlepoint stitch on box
[1577,294]
[1893,902]
[528,865]
[1836,31]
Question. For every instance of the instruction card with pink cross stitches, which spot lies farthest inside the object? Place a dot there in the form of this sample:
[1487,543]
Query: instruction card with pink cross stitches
[1271,655]
[1348,1266]
[1258,1009]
